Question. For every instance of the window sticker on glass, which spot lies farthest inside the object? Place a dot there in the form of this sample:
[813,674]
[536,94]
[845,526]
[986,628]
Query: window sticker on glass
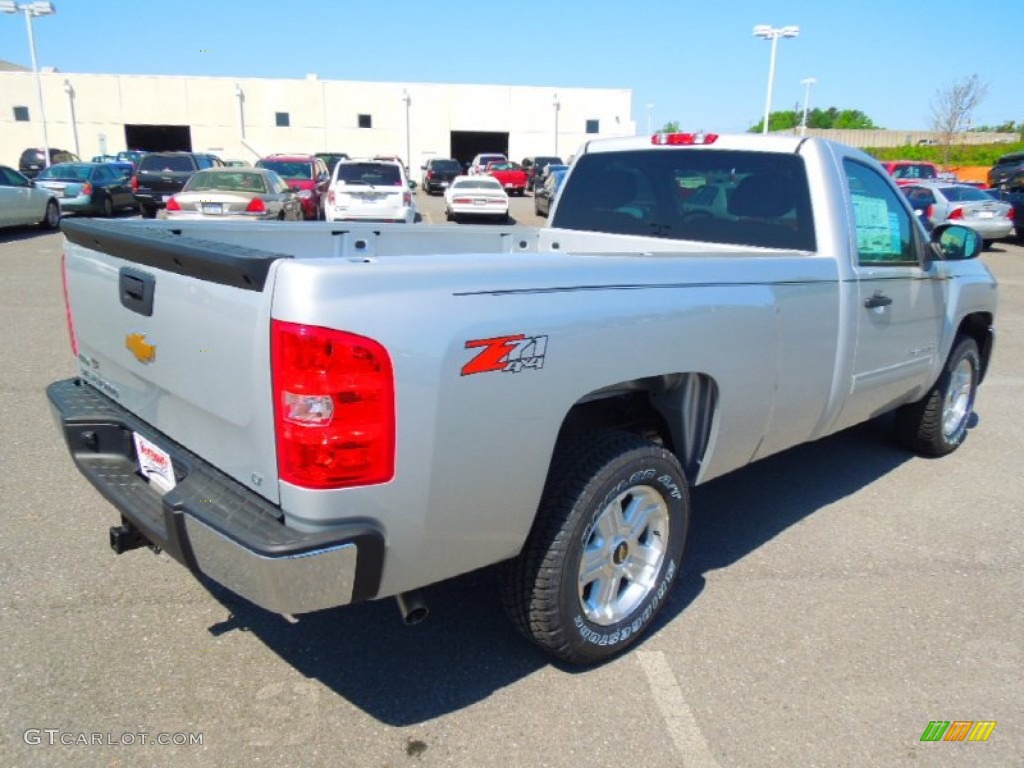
[877,233]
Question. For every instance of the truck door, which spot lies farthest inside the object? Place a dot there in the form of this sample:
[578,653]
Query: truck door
[899,307]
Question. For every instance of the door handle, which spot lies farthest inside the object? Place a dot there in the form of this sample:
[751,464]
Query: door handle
[878,300]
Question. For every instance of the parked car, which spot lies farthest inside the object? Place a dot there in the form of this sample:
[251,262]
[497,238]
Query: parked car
[475,196]
[31,161]
[97,188]
[247,194]
[22,202]
[132,156]
[946,203]
[307,175]
[124,167]
[544,197]
[237,164]
[480,162]
[1012,192]
[162,174]
[910,171]
[438,173]
[511,175]
[534,167]
[1005,167]
[331,159]
[370,190]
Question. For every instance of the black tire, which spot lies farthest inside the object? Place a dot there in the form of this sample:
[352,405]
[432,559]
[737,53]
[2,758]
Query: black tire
[937,423]
[147,211]
[589,486]
[51,217]
[106,207]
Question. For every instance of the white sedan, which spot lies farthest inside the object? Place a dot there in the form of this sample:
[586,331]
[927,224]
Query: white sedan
[475,196]
[22,202]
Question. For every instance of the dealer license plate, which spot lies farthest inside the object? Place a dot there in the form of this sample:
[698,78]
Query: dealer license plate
[213,208]
[986,214]
[154,464]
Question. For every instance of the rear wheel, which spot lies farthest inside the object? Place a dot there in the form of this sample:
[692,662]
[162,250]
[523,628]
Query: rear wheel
[937,423]
[147,211]
[605,548]
[107,207]
[51,217]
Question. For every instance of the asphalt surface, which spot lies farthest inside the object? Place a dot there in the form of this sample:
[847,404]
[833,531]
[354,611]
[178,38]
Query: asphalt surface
[835,600]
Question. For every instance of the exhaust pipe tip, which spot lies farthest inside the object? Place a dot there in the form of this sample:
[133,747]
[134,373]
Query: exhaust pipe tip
[412,607]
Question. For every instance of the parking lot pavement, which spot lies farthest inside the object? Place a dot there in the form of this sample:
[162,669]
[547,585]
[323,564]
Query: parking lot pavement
[836,599]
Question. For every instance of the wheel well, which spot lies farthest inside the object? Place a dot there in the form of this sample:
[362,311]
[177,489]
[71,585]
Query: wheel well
[978,326]
[675,410]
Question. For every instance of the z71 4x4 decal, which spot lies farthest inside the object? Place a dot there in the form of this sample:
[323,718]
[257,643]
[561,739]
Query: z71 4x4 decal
[511,354]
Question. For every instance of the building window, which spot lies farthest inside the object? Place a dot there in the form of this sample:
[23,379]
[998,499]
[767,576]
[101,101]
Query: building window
[21,114]
[283,121]
[365,121]
[593,126]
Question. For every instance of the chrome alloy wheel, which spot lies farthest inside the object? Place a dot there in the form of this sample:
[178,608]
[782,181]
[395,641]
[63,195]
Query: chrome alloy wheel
[957,405]
[623,554]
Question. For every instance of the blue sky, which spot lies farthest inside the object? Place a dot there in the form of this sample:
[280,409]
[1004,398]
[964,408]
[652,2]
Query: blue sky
[696,62]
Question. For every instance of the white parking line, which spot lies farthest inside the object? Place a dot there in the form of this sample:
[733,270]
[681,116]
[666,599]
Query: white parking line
[679,720]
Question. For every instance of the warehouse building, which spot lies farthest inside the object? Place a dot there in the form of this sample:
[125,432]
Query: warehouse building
[247,118]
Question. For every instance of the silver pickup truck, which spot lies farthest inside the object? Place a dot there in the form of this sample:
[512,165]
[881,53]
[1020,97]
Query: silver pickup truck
[316,414]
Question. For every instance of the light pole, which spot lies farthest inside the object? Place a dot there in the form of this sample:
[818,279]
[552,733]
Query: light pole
[768,32]
[38,8]
[557,105]
[807,82]
[650,115]
[70,91]
[408,136]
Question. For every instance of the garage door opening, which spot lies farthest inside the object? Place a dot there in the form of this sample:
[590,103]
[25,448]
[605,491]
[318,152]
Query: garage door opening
[158,138]
[468,144]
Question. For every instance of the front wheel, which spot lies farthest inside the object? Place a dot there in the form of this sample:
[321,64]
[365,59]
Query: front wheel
[604,551]
[937,423]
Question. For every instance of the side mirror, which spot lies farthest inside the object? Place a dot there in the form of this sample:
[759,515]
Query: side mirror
[412,184]
[953,242]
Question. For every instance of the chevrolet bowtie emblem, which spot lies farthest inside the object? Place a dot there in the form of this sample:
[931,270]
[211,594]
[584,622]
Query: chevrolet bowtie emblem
[144,351]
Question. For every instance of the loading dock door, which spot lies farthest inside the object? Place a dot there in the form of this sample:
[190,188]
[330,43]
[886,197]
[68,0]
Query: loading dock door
[468,144]
[158,138]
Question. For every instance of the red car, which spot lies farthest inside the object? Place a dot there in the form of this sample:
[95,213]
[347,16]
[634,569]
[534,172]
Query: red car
[511,175]
[307,175]
[911,171]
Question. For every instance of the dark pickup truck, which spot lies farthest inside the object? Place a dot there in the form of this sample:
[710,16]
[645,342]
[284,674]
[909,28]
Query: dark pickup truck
[162,174]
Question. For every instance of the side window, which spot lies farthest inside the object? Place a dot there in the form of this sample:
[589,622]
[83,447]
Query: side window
[885,232]
[203,162]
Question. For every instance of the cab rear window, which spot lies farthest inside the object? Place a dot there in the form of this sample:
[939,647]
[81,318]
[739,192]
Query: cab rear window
[721,196]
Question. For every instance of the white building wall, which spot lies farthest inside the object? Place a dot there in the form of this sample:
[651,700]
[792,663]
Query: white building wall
[323,114]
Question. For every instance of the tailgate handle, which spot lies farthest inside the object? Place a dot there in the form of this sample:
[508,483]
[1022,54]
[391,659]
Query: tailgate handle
[136,289]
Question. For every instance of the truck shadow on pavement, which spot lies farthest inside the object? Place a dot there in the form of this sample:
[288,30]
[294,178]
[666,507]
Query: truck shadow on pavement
[466,650]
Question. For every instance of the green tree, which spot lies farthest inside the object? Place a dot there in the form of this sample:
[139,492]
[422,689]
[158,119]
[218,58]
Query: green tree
[670,127]
[816,118]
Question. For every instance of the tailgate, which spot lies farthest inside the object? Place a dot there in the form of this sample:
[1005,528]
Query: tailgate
[176,330]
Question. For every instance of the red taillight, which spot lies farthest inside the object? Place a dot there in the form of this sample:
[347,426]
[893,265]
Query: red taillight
[172,204]
[330,196]
[928,212]
[463,200]
[67,302]
[684,138]
[256,205]
[429,175]
[1009,214]
[407,199]
[334,407]
[86,189]
[135,183]
[956,213]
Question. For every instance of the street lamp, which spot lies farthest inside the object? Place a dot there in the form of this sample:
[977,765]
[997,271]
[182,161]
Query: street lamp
[70,91]
[768,32]
[557,105]
[650,114]
[408,140]
[38,8]
[807,82]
